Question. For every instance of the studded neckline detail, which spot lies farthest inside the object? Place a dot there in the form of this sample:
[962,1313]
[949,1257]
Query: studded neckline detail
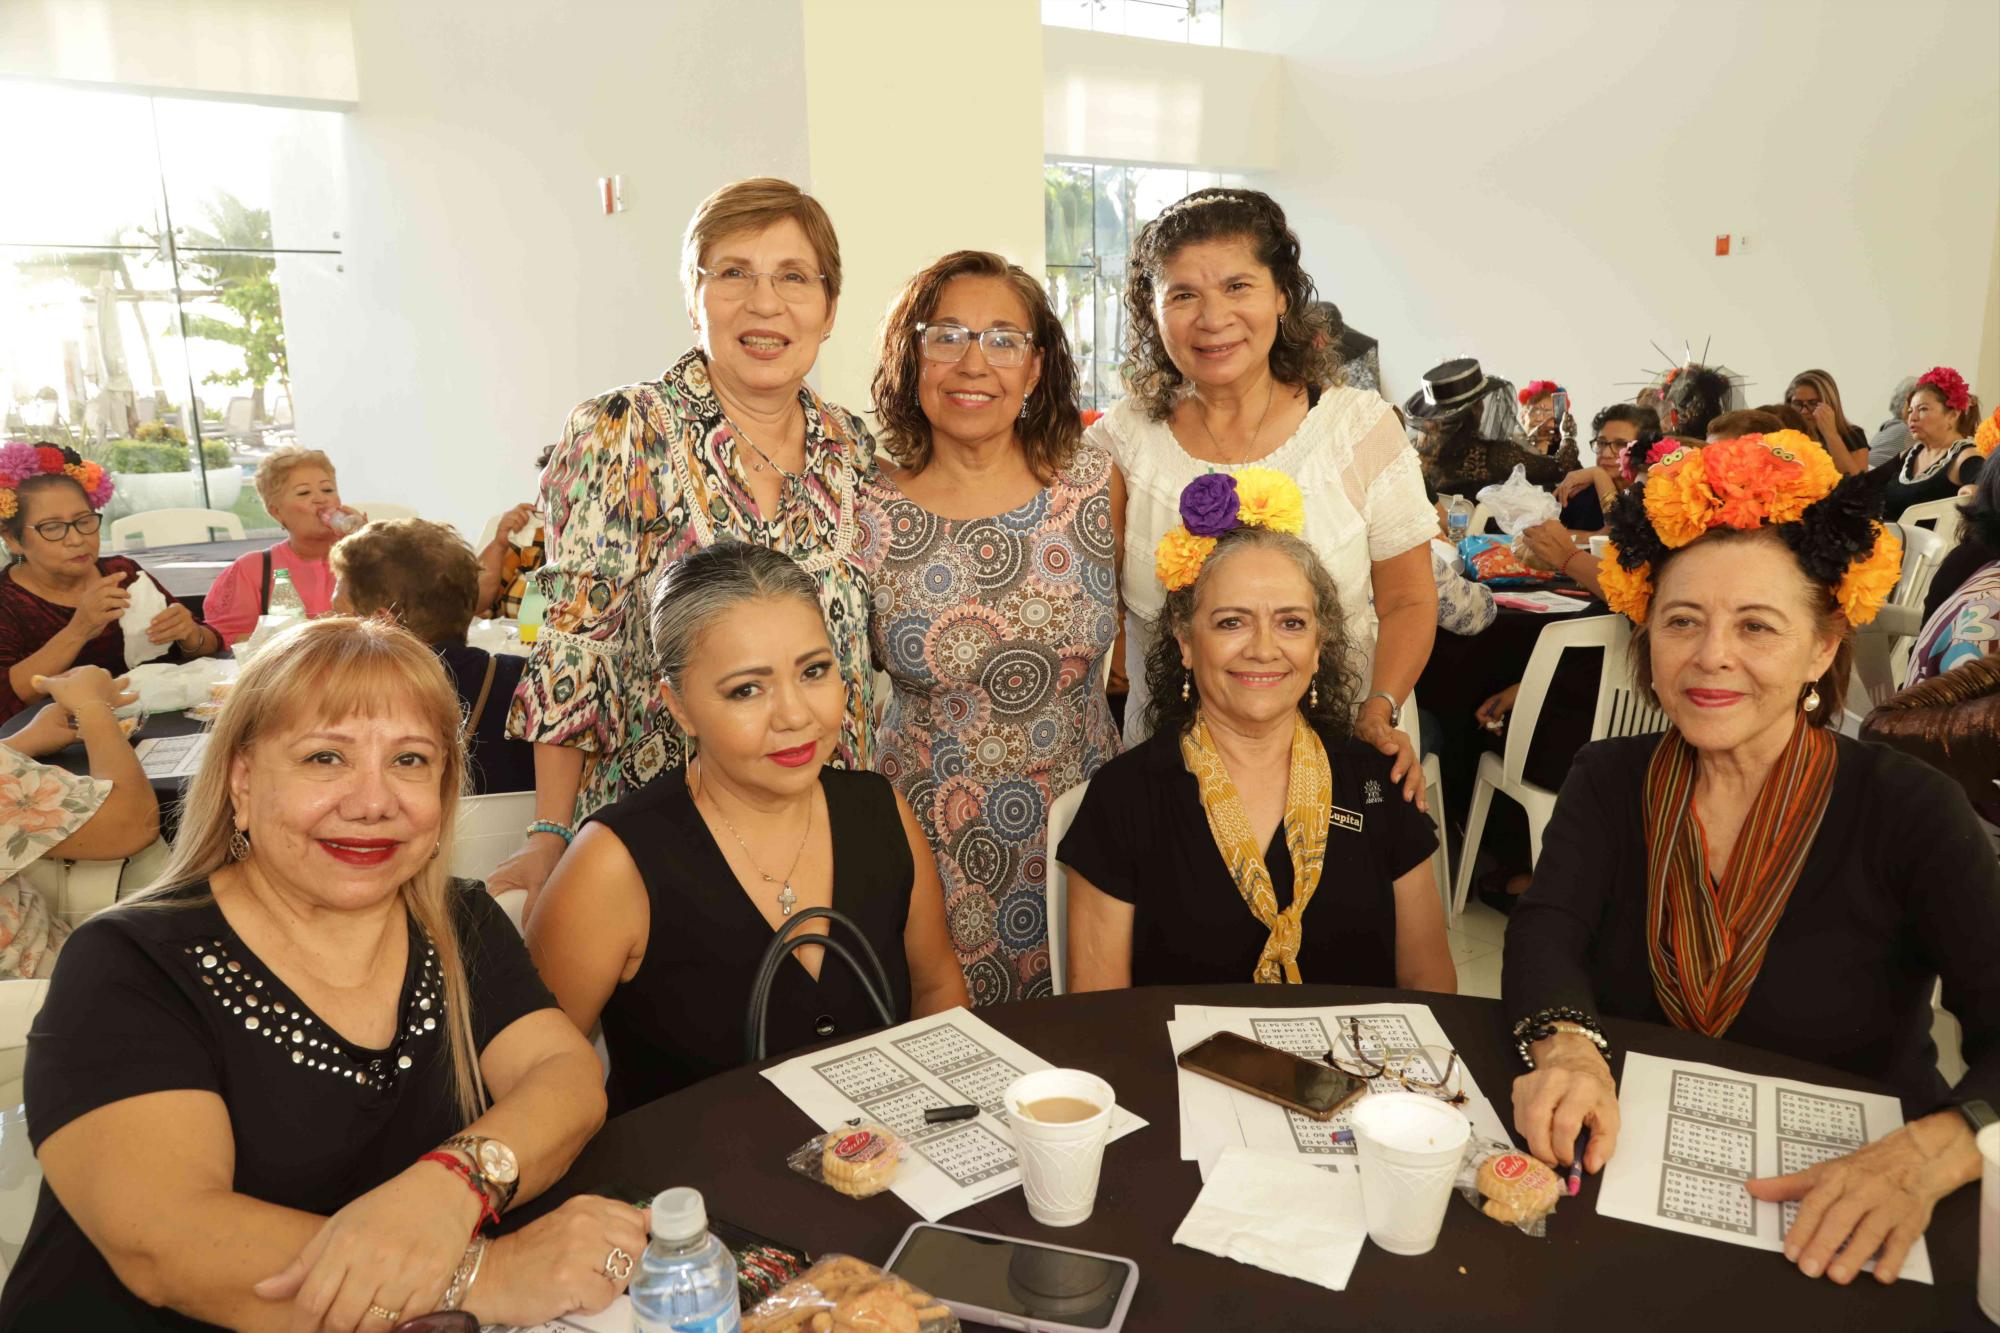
[255,1000]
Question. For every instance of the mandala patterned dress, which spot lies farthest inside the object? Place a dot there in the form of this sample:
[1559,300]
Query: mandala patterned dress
[644,475]
[994,633]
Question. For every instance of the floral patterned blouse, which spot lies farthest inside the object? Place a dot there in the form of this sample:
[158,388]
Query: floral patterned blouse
[642,476]
[40,806]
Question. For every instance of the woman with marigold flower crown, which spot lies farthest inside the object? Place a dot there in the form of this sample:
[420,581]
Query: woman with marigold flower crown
[1230,364]
[1252,836]
[1751,873]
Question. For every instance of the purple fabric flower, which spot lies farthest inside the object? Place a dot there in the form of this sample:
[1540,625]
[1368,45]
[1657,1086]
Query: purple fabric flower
[1209,504]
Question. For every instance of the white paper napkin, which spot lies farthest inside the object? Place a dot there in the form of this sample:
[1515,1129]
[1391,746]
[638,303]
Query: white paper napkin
[147,603]
[1286,1218]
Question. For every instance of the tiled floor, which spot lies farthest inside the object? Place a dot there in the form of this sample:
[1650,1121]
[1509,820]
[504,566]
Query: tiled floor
[1476,938]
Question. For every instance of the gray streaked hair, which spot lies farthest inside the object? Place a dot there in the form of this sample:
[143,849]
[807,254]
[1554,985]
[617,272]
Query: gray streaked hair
[692,592]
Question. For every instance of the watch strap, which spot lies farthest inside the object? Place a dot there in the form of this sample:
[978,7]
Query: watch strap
[501,1192]
[1979,1113]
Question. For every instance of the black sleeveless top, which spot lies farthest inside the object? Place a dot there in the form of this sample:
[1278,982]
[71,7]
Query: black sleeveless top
[680,1018]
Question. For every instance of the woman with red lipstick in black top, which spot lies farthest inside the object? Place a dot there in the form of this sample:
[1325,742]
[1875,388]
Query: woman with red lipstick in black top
[656,920]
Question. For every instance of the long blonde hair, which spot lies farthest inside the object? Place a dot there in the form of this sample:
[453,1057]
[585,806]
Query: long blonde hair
[328,669]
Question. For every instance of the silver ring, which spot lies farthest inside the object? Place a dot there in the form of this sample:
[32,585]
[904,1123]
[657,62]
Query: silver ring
[617,1265]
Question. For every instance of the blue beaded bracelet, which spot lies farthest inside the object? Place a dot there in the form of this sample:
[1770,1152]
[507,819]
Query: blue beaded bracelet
[563,831]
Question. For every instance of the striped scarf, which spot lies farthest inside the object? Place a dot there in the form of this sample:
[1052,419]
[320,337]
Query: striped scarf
[1308,815]
[1707,939]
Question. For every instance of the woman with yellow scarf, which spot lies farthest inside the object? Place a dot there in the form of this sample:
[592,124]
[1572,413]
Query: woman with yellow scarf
[1251,837]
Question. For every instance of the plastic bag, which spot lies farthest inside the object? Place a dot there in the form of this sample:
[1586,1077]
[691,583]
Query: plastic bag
[859,1158]
[1517,504]
[844,1295]
[1509,1186]
[1491,559]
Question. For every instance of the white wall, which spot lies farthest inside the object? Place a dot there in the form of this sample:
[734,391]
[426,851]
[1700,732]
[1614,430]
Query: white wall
[1540,184]
[484,292]
[903,184]
[1130,99]
[299,51]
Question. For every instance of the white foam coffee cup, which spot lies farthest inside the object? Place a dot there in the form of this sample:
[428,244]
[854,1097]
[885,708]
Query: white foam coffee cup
[1989,1221]
[1060,1162]
[1597,545]
[1408,1147]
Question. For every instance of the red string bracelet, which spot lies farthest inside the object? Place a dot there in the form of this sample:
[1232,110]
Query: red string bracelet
[458,1167]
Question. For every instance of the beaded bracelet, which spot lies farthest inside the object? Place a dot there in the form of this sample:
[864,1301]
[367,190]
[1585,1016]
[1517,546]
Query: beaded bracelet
[563,831]
[1545,1023]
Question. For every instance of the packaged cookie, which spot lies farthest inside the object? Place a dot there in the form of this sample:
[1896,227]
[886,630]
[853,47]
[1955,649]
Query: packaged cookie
[1509,1186]
[859,1158]
[844,1295]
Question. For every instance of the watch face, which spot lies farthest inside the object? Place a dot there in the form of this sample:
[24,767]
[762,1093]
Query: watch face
[496,1162]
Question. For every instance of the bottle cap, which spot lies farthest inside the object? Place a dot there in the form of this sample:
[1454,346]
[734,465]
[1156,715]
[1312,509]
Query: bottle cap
[679,1214]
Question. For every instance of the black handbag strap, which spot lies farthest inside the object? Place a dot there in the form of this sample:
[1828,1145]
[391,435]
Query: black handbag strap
[874,978]
[264,606]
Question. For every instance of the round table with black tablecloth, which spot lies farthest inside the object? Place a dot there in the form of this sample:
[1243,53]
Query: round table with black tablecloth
[728,1137]
[76,759]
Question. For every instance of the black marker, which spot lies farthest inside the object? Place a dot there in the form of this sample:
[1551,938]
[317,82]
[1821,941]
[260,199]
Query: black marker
[938,1115]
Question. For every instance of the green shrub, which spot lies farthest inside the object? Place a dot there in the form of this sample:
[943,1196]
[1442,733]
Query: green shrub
[161,430]
[158,455]
[214,455]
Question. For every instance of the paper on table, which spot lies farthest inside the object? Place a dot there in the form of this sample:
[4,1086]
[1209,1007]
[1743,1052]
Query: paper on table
[172,756]
[1216,1116]
[894,1075]
[146,604]
[1691,1134]
[1281,1216]
[1540,602]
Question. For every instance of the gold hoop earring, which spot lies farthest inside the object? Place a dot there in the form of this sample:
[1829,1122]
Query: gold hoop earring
[239,846]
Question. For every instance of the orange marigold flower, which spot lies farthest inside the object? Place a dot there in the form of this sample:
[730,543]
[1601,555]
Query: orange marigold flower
[1988,434]
[1179,557]
[1626,591]
[1870,579]
[1679,499]
[1816,478]
[8,504]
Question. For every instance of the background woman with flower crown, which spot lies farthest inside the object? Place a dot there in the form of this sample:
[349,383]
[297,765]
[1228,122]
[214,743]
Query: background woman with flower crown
[1941,415]
[1230,364]
[59,601]
[1751,873]
[993,554]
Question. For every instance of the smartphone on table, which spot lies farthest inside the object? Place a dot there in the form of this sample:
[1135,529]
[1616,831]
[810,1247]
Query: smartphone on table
[1017,1284]
[1297,1084]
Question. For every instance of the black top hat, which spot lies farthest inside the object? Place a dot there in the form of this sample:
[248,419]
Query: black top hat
[1448,389]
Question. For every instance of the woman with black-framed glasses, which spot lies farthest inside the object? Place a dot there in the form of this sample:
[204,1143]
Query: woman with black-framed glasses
[60,601]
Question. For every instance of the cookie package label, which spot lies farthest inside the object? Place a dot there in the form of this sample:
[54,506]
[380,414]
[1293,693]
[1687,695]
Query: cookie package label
[1511,1167]
[860,1146]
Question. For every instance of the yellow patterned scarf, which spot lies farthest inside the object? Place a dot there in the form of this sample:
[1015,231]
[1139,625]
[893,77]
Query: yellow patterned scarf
[1308,812]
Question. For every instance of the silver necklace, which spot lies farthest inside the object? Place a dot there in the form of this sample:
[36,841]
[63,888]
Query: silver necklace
[744,436]
[787,900]
[1202,412]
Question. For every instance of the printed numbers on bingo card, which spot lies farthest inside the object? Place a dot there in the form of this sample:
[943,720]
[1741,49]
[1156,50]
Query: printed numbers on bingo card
[903,1111]
[1804,1115]
[1796,1156]
[1726,1100]
[1706,1147]
[1709,1201]
[863,1074]
[1301,1036]
[985,1084]
[968,1155]
[943,1047]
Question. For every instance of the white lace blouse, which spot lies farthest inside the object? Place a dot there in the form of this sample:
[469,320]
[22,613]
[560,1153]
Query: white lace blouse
[1364,495]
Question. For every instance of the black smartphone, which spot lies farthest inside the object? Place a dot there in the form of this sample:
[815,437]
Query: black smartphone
[1306,1086]
[1018,1284]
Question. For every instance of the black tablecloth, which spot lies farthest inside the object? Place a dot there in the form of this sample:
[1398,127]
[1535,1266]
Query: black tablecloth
[728,1137]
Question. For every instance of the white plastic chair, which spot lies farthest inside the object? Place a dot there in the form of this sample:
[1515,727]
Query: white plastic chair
[1942,516]
[20,1173]
[78,890]
[1061,815]
[1621,711]
[174,527]
[1433,797]
[378,510]
[1922,550]
[490,829]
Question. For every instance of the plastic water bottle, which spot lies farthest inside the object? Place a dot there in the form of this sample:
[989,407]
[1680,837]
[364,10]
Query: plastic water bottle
[687,1278]
[534,607]
[285,598]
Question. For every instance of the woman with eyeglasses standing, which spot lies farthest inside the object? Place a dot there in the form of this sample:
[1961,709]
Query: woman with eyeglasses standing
[993,549]
[729,443]
[60,601]
[1814,396]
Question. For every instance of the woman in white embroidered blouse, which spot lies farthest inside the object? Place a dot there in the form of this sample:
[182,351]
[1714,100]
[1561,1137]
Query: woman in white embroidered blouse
[1227,365]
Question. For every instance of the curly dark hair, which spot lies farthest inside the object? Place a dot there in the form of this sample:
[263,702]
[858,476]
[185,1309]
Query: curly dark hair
[1642,419]
[1304,354]
[1338,681]
[1053,427]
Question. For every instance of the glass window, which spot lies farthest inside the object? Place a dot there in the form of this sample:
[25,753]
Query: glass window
[141,311]
[1197,22]
[1092,211]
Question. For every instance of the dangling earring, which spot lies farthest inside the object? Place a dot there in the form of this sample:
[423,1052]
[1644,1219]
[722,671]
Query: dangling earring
[1184,686]
[1024,407]
[1811,702]
[239,846]
[1312,697]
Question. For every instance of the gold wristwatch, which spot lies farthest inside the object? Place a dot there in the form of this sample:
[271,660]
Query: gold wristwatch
[494,1168]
